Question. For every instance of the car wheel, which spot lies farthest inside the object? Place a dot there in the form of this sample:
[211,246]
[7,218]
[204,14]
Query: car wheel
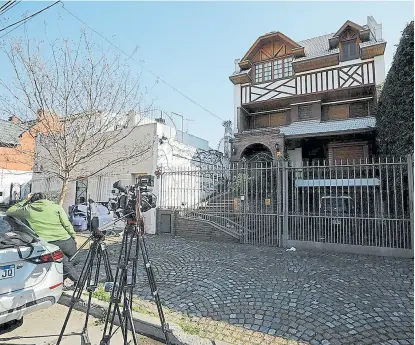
[11,325]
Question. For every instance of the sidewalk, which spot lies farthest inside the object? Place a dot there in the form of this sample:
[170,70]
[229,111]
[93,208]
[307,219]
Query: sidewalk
[43,327]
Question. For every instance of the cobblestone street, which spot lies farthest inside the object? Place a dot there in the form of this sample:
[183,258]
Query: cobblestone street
[312,297]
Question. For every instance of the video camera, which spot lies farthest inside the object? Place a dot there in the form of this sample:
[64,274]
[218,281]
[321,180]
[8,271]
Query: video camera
[124,200]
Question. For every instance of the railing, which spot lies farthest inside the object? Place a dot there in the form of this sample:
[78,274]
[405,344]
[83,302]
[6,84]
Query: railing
[358,206]
[219,221]
[313,82]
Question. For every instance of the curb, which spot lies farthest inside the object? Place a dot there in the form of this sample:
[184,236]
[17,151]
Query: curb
[146,325]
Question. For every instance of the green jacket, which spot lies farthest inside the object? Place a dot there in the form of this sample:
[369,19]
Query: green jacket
[46,218]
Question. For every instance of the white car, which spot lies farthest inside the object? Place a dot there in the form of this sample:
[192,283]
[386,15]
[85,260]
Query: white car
[31,271]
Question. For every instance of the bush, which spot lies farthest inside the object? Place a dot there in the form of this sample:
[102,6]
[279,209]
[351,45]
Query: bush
[395,113]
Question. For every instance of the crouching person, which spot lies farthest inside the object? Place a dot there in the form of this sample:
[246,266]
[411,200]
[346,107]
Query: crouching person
[50,222]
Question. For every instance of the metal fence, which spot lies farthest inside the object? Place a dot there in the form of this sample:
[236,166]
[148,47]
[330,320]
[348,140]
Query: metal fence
[96,187]
[359,206]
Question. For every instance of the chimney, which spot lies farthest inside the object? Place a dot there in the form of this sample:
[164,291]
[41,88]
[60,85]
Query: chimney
[375,28]
[237,68]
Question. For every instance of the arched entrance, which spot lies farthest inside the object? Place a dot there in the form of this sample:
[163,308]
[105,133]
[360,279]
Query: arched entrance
[257,153]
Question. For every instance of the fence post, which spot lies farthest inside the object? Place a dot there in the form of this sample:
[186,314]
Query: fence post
[410,162]
[285,203]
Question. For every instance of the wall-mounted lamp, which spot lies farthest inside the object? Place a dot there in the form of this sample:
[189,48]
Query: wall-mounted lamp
[233,151]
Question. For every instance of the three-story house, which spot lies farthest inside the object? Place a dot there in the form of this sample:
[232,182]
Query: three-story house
[312,100]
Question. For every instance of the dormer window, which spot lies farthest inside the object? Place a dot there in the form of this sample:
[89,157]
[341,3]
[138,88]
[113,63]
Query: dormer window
[258,73]
[273,70]
[288,67]
[267,71]
[349,50]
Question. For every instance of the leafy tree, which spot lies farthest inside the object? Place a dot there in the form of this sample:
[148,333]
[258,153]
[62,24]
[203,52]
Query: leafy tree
[395,114]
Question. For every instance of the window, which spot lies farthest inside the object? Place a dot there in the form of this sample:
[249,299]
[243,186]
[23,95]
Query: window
[278,69]
[288,67]
[272,70]
[304,112]
[258,73]
[349,50]
[267,71]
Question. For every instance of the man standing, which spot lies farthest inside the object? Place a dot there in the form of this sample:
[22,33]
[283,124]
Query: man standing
[50,222]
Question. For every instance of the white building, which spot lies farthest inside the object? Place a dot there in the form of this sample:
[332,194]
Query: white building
[170,149]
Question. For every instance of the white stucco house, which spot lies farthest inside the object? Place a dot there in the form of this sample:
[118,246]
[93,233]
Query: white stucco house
[169,149]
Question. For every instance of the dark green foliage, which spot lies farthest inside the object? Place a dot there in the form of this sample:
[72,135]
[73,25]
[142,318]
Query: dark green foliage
[395,114]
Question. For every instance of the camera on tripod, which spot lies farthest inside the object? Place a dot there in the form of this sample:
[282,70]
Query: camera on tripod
[124,200]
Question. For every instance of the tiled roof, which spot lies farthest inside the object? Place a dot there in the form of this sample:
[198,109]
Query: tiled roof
[10,132]
[371,43]
[316,127]
[319,46]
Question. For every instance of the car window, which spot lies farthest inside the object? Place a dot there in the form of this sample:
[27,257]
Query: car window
[9,224]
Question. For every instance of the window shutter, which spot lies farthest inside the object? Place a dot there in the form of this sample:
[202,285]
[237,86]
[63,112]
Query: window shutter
[352,49]
[349,50]
[279,119]
[358,109]
[348,151]
[304,112]
[338,112]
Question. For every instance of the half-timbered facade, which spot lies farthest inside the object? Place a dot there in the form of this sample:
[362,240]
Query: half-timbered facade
[312,99]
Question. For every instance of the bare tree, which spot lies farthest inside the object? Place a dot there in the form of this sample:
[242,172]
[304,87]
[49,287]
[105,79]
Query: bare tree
[81,103]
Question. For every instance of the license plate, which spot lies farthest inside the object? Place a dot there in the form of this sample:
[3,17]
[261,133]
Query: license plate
[7,271]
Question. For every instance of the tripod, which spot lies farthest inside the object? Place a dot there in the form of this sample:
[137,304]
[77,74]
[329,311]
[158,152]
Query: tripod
[122,285]
[89,280]
[122,295]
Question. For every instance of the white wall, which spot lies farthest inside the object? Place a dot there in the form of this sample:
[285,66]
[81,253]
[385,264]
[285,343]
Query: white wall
[172,154]
[296,156]
[237,104]
[379,69]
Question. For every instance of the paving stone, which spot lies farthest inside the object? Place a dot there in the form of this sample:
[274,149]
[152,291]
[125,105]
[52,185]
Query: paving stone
[312,294]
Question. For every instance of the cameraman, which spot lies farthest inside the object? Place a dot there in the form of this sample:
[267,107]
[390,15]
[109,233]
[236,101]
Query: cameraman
[50,222]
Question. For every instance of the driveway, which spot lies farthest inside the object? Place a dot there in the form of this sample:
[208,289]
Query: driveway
[313,297]
[41,328]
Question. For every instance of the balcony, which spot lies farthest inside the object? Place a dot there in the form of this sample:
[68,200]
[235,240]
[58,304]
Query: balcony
[332,79]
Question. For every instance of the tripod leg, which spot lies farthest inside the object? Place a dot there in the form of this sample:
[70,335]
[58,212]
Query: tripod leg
[78,290]
[91,287]
[110,278]
[152,282]
[117,290]
[126,288]
[125,285]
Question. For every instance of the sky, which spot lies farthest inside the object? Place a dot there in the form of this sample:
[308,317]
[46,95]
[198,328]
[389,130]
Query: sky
[193,45]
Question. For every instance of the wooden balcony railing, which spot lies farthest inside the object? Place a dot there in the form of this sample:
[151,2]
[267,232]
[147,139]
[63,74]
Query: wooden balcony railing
[308,83]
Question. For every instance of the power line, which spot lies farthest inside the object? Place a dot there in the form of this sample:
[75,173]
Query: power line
[143,66]
[25,20]
[29,17]
[5,5]
[14,3]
